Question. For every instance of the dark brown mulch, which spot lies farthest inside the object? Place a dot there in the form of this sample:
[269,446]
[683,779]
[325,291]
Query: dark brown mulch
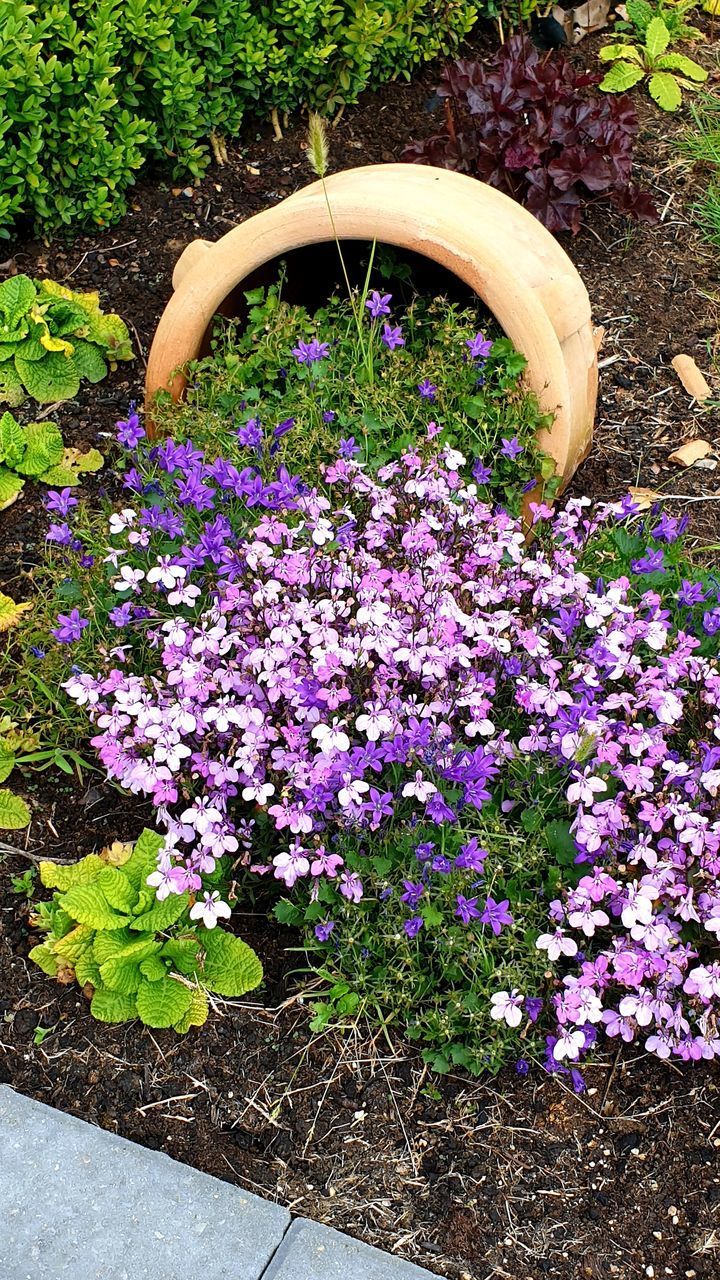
[511,1178]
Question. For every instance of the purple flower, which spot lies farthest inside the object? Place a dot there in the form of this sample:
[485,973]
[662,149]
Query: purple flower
[479,346]
[71,627]
[282,428]
[377,304]
[36,651]
[413,926]
[424,851]
[522,1066]
[59,503]
[533,1007]
[60,533]
[466,909]
[412,893]
[392,337]
[323,931]
[511,448]
[711,622]
[250,435]
[690,593]
[496,914]
[651,562]
[311,352]
[348,448]
[121,615]
[130,433]
[480,473]
[328,416]
[427,390]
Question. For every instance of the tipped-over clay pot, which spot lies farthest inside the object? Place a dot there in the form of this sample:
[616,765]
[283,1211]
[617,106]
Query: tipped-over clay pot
[491,243]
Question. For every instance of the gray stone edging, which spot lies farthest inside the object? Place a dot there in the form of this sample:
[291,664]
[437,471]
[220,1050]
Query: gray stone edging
[78,1203]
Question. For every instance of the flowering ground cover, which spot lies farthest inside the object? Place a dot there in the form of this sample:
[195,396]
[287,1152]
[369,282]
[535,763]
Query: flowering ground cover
[343,1108]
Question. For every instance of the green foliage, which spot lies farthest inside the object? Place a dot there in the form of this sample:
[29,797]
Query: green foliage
[50,339]
[701,143]
[24,884]
[640,13]
[36,452]
[667,73]
[435,987]
[370,394]
[92,89]
[143,958]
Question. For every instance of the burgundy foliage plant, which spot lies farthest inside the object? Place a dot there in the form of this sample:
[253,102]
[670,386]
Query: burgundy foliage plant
[524,123]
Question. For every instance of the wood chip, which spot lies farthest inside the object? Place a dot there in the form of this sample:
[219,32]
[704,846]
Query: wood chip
[690,453]
[644,498]
[692,379]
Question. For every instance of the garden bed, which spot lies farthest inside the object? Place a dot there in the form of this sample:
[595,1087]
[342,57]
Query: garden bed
[515,1177]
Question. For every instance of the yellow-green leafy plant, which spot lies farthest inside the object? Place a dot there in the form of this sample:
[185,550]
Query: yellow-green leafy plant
[36,452]
[14,813]
[52,338]
[135,955]
[667,73]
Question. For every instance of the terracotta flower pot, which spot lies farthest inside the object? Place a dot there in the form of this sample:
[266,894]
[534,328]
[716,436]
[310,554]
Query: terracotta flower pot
[491,243]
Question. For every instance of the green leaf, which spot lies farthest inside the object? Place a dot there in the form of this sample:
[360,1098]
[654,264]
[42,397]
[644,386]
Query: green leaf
[287,912]
[162,1003]
[686,66]
[89,361]
[7,763]
[11,486]
[231,967]
[12,440]
[121,975]
[61,476]
[87,904]
[144,858]
[11,387]
[657,38]
[17,295]
[610,52]
[153,968]
[183,954]
[621,76]
[45,957]
[560,843]
[119,891]
[86,970]
[11,612]
[666,91]
[54,378]
[44,448]
[112,1006]
[14,813]
[196,1013]
[91,460]
[54,876]
[75,943]
[164,913]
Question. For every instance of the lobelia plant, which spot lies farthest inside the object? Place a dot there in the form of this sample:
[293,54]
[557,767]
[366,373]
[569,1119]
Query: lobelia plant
[388,658]
[667,73]
[52,338]
[135,955]
[522,123]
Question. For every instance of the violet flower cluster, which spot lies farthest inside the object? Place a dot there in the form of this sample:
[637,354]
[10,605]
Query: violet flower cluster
[392,654]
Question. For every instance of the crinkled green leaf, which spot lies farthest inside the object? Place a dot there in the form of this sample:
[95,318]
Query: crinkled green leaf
[89,361]
[49,380]
[43,955]
[17,295]
[91,460]
[144,857]
[44,448]
[61,476]
[7,763]
[55,876]
[230,967]
[112,1006]
[111,943]
[87,904]
[657,38]
[153,968]
[121,975]
[686,66]
[196,1013]
[611,52]
[11,486]
[12,440]
[12,391]
[86,969]
[164,913]
[666,91]
[183,954]
[75,943]
[119,891]
[14,813]
[621,76]
[162,1003]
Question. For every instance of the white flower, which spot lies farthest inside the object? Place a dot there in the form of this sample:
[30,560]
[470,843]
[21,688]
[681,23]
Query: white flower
[507,1005]
[374,724]
[584,789]
[129,579]
[323,532]
[167,572]
[352,792]
[185,594]
[120,520]
[259,791]
[569,1044]
[419,787]
[556,944]
[210,910]
[331,737]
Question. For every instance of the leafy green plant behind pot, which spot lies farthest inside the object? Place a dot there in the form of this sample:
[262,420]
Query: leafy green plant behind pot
[667,74]
[137,956]
[52,338]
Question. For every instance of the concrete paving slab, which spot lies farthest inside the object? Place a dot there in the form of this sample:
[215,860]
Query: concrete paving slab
[77,1203]
[311,1251]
